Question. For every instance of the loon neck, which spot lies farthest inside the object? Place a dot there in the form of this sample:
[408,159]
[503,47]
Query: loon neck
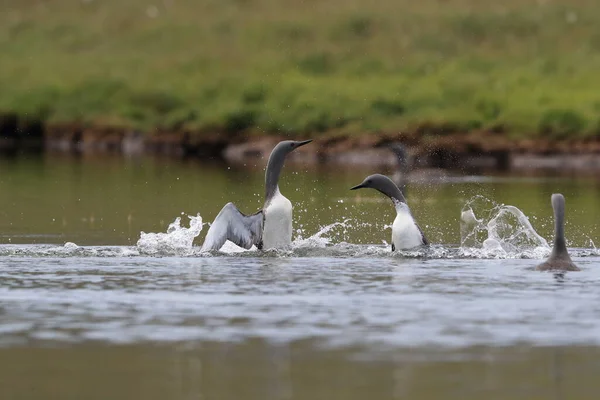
[274,166]
[400,206]
[559,250]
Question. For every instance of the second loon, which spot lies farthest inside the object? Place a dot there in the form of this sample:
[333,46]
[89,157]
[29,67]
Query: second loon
[270,227]
[559,259]
[406,233]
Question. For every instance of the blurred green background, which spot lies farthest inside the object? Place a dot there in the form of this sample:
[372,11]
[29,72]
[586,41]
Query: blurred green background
[524,67]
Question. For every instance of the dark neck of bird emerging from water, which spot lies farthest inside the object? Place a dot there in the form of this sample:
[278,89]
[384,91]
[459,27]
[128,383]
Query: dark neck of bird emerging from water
[274,166]
[389,188]
[397,196]
[560,246]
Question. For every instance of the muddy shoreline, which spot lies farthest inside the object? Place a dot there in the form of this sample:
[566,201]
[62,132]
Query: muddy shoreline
[478,150]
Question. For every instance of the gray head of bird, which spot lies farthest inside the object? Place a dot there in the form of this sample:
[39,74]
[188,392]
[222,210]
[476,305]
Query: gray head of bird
[382,184]
[287,146]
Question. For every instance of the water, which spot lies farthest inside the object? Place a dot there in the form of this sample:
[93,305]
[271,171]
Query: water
[91,307]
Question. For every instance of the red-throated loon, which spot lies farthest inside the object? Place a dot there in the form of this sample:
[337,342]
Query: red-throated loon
[270,227]
[406,234]
[559,259]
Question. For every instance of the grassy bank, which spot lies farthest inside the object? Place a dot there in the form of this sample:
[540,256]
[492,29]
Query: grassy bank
[529,67]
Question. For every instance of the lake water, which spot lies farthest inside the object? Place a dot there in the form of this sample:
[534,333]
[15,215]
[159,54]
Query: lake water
[92,308]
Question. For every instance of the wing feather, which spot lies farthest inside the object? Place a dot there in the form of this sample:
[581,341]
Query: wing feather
[231,224]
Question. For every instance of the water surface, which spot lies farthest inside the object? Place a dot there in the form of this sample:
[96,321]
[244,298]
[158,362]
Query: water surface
[85,312]
[108,201]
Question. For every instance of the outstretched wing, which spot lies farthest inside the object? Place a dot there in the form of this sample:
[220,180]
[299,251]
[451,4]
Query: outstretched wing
[232,225]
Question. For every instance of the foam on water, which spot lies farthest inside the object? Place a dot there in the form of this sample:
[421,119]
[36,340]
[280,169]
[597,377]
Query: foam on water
[318,239]
[178,240]
[492,230]
[69,249]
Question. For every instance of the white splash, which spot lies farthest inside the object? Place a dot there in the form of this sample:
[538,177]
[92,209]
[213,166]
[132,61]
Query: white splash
[178,240]
[232,248]
[489,229]
[318,239]
[70,246]
[594,250]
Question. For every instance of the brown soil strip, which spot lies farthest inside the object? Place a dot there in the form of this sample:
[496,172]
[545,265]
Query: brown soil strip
[482,149]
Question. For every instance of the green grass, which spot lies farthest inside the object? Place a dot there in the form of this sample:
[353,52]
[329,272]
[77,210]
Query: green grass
[307,67]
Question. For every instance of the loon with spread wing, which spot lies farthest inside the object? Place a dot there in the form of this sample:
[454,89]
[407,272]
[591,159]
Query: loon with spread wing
[270,227]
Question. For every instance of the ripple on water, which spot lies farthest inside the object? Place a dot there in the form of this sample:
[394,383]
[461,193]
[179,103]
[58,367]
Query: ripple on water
[369,300]
[484,292]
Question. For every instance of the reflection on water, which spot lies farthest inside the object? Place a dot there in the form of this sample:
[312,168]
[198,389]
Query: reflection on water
[110,201]
[259,370]
[335,317]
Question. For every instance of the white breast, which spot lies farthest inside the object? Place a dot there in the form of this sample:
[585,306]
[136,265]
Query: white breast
[405,233]
[277,230]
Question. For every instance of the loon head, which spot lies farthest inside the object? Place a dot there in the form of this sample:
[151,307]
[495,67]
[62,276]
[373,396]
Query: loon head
[382,184]
[275,164]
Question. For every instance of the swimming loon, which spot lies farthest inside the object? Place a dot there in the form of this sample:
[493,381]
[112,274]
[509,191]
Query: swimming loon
[406,234]
[559,259]
[270,227]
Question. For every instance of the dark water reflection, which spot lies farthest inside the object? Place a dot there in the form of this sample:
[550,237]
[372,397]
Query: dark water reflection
[99,201]
[259,370]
